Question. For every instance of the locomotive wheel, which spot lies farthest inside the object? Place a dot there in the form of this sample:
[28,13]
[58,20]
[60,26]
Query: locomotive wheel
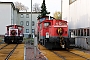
[41,41]
[6,40]
[67,44]
[20,42]
[20,39]
[47,44]
[44,42]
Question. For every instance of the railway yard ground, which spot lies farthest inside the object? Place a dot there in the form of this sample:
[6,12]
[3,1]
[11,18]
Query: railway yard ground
[72,54]
[26,52]
[12,52]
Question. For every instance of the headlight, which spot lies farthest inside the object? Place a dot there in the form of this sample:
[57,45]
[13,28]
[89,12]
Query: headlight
[21,35]
[47,33]
[56,23]
[60,23]
[6,34]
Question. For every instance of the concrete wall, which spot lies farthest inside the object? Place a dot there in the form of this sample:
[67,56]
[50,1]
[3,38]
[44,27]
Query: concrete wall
[12,15]
[16,17]
[5,17]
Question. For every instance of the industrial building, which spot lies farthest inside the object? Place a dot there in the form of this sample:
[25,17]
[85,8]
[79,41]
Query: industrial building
[77,13]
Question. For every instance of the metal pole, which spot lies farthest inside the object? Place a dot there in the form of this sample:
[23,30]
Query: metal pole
[35,46]
[31,19]
[25,51]
[61,9]
[31,35]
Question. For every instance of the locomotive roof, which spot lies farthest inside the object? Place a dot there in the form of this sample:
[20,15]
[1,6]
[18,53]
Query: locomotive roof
[44,21]
[45,17]
[14,25]
[63,20]
[54,19]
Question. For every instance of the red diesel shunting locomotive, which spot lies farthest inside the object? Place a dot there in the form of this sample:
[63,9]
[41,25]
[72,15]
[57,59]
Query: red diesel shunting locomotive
[54,33]
[14,34]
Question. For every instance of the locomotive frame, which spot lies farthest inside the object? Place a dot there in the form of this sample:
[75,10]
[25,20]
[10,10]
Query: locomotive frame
[14,34]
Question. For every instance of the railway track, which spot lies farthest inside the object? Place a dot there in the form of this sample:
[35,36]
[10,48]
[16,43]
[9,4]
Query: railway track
[67,55]
[7,51]
[72,54]
[18,54]
[11,52]
[4,46]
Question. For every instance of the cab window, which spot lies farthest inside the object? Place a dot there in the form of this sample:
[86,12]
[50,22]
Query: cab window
[46,24]
[42,19]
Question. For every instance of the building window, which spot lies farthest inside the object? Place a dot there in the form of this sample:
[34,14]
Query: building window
[22,15]
[27,30]
[88,32]
[27,23]
[21,23]
[81,32]
[85,32]
[32,23]
[74,32]
[42,19]
[32,30]
[27,15]
[78,32]
[71,1]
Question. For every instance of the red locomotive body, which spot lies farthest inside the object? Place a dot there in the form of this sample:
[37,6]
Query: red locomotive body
[14,34]
[54,34]
[59,24]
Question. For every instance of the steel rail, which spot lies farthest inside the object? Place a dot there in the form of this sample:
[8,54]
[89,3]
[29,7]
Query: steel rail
[59,55]
[71,53]
[4,46]
[80,56]
[11,52]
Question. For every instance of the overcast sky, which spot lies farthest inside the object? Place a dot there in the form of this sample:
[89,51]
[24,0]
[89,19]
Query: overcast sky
[52,5]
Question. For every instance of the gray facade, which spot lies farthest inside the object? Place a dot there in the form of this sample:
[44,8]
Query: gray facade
[10,15]
[25,20]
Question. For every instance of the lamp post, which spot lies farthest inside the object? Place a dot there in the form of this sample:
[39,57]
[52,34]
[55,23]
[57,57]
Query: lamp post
[31,34]
[61,9]
[31,19]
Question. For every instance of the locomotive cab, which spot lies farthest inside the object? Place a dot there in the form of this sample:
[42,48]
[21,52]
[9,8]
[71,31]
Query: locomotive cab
[46,28]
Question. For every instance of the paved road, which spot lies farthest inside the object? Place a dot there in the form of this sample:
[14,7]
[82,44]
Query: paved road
[30,53]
